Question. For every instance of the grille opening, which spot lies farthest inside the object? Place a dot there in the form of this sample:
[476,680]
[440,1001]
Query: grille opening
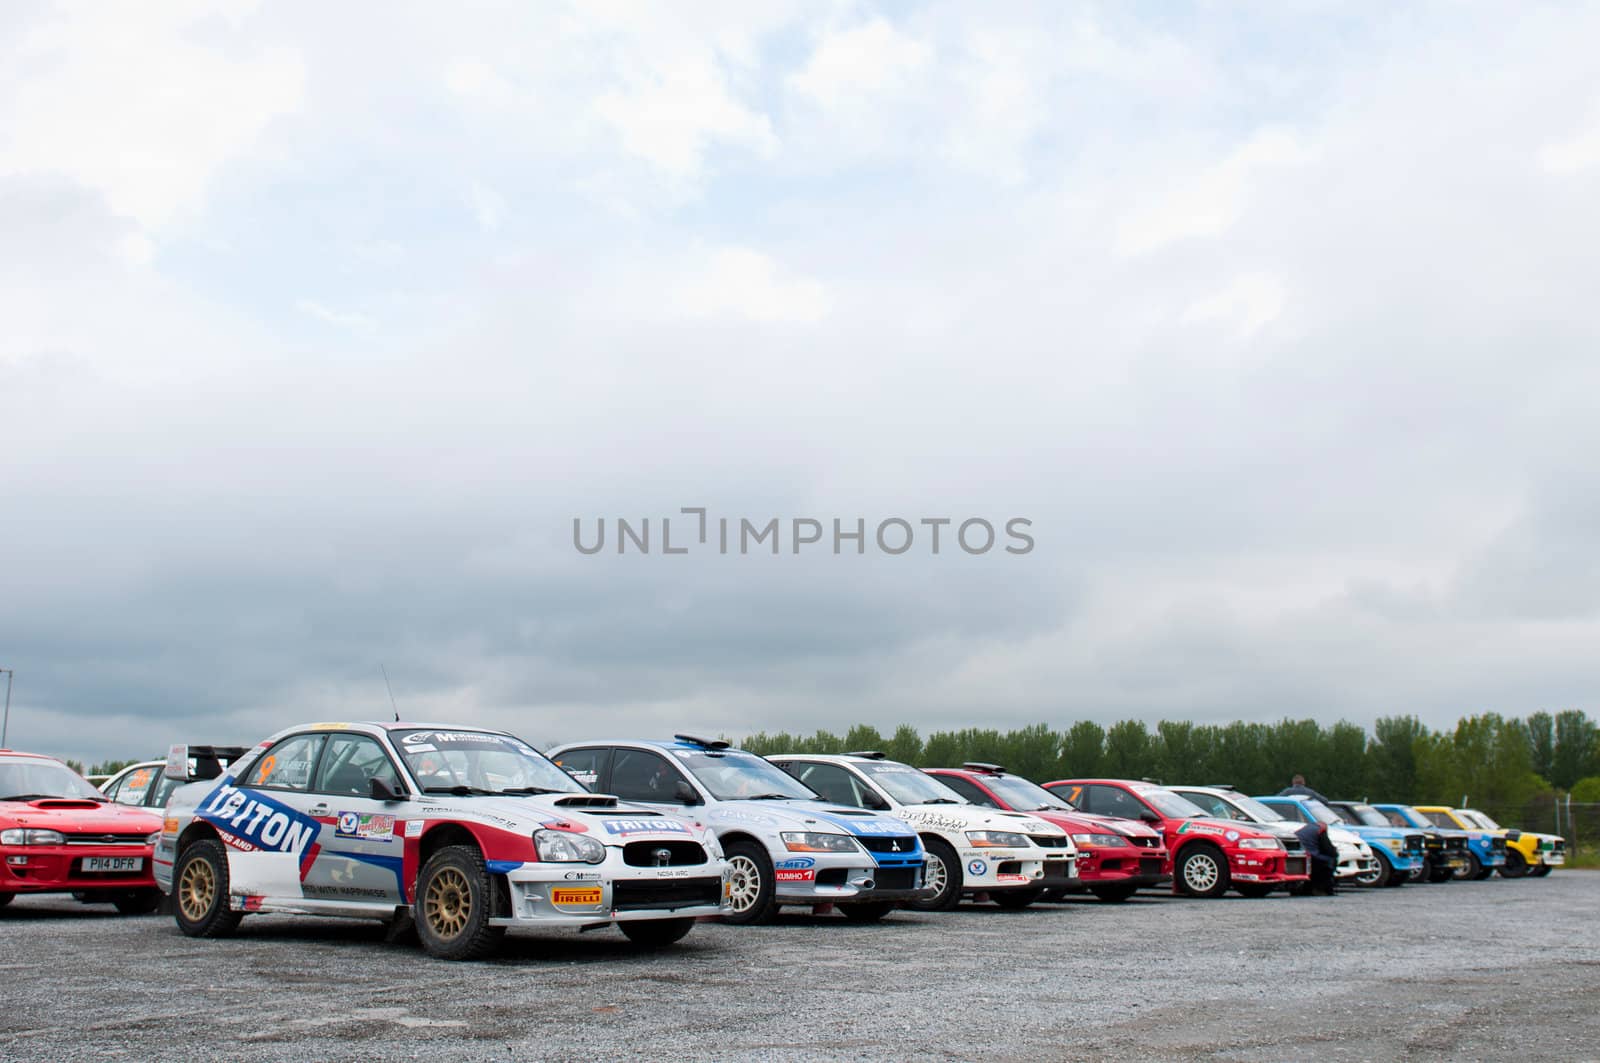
[643,854]
[835,876]
[1046,841]
[895,878]
[633,896]
[887,844]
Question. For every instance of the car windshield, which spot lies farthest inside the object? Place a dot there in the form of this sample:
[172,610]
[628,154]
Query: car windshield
[1170,804]
[1440,819]
[1483,819]
[733,775]
[480,762]
[25,779]
[1369,816]
[909,786]
[1322,812]
[1023,796]
[1256,810]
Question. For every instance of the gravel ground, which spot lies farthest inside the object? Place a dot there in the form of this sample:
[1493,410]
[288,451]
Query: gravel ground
[1478,970]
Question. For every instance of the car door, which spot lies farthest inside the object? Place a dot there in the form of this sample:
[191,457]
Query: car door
[587,765]
[267,819]
[360,858]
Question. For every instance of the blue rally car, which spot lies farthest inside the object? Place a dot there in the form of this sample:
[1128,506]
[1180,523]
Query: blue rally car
[784,843]
[1401,853]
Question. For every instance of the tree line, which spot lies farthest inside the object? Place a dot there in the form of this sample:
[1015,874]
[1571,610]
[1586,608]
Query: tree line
[1492,761]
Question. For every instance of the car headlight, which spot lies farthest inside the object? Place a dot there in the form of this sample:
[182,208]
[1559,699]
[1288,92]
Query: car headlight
[565,847]
[804,841]
[1096,839]
[19,836]
[1260,843]
[996,839]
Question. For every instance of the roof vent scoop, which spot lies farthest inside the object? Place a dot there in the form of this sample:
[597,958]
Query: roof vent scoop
[988,769]
[867,754]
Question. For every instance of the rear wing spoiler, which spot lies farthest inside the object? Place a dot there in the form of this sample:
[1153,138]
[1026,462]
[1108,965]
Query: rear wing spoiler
[193,763]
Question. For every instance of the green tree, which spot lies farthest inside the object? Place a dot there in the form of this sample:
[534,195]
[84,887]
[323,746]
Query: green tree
[1574,754]
[1130,754]
[1392,759]
[1083,751]
[1586,791]
[905,746]
[1034,752]
[1542,738]
[864,738]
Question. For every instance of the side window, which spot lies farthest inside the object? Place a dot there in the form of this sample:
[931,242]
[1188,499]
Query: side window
[1112,801]
[968,789]
[1395,818]
[1290,812]
[287,765]
[1211,806]
[1072,795]
[640,775]
[831,781]
[351,763]
[584,765]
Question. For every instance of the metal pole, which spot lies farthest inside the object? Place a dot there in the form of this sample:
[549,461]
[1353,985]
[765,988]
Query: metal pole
[6,724]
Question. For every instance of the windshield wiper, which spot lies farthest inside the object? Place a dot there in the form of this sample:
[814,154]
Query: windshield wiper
[459,791]
[767,797]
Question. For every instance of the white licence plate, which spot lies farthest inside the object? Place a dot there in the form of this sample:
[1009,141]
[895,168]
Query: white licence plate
[113,863]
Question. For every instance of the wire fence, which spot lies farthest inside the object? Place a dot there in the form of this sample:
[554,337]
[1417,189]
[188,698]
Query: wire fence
[1577,822]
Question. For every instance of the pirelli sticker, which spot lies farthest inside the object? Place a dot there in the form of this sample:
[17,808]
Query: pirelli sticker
[575,896]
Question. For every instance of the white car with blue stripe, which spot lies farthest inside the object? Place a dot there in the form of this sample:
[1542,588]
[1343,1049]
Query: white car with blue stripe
[1009,857]
[785,845]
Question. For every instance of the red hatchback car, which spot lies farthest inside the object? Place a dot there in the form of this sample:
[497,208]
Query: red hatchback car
[1115,856]
[1208,856]
[58,834]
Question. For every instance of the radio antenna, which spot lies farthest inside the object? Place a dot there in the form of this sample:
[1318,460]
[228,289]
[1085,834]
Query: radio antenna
[390,689]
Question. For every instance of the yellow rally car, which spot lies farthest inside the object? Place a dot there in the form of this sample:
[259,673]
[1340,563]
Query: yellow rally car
[1527,852]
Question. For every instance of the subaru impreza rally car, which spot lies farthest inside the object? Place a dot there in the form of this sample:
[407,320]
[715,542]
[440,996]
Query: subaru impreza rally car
[1486,849]
[1012,857]
[467,832]
[1401,853]
[1209,856]
[58,834]
[1116,857]
[785,844]
[1355,863]
[1447,847]
[1527,852]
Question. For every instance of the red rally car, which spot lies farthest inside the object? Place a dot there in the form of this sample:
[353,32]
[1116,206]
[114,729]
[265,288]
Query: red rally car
[58,834]
[1115,856]
[1207,856]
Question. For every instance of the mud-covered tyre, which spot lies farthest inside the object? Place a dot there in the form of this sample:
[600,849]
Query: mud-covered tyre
[656,933]
[1202,871]
[200,891]
[753,889]
[137,902]
[1016,900]
[944,874]
[1487,872]
[1540,872]
[454,903]
[1255,891]
[870,912]
[1114,894]
[1515,865]
[1473,870]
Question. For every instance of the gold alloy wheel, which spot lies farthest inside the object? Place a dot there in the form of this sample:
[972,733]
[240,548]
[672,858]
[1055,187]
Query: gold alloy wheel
[197,890]
[448,904]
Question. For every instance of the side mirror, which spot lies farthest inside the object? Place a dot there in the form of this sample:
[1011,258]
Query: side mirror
[874,802]
[1149,816]
[684,794]
[381,791]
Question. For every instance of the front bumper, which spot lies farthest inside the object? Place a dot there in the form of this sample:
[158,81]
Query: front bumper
[550,895]
[839,878]
[991,869]
[1354,864]
[1265,866]
[1552,858]
[60,868]
[1133,865]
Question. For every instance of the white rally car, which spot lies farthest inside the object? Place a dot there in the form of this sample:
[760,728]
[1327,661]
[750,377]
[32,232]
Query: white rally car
[1010,856]
[1356,862]
[466,832]
[784,844]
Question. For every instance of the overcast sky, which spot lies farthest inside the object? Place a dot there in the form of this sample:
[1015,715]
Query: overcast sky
[319,325]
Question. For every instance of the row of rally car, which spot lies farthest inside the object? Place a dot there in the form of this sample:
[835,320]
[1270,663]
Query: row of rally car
[461,833]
